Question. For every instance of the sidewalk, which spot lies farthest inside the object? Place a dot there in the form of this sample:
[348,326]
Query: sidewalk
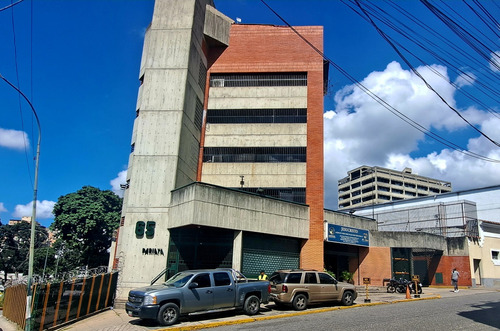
[118,320]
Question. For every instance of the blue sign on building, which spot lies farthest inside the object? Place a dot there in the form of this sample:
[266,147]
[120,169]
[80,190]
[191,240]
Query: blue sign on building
[347,235]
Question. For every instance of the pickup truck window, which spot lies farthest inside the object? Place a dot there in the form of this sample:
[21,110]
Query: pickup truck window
[221,279]
[311,278]
[294,278]
[178,280]
[203,280]
[325,279]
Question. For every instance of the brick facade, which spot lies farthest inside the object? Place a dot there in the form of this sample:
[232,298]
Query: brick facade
[272,49]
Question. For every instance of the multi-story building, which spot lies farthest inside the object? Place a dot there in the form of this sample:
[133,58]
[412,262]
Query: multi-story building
[372,185]
[226,164]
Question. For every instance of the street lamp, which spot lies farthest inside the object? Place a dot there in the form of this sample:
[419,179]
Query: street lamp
[33,215]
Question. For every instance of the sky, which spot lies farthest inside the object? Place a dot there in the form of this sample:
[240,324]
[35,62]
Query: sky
[78,63]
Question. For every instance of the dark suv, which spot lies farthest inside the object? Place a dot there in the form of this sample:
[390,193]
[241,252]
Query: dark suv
[301,287]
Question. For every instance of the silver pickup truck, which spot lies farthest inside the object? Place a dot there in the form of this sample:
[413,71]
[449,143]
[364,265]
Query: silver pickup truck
[196,292]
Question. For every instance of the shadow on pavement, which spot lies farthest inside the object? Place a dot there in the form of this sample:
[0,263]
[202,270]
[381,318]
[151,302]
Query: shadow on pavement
[487,313]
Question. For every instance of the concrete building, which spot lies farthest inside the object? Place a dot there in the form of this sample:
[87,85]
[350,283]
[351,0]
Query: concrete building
[372,185]
[218,105]
[226,162]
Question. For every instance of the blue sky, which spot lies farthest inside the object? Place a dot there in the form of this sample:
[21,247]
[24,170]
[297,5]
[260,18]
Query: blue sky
[78,62]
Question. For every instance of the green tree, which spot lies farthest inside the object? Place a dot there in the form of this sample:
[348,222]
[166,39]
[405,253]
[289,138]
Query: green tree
[84,222]
[15,244]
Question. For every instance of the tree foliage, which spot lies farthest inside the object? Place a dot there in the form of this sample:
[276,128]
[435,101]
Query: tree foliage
[84,222]
[15,244]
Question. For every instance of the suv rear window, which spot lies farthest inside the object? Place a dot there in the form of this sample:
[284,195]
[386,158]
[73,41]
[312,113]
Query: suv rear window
[294,278]
[277,278]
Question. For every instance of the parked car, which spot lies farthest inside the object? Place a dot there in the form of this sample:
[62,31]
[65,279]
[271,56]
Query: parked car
[300,287]
[197,291]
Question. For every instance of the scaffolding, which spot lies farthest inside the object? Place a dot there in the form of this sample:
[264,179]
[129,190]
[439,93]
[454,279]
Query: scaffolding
[452,219]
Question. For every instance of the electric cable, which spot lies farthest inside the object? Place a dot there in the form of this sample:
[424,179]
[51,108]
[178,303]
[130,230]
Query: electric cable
[382,102]
[386,38]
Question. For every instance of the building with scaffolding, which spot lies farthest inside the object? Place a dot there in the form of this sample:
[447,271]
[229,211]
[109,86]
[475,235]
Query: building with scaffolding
[469,220]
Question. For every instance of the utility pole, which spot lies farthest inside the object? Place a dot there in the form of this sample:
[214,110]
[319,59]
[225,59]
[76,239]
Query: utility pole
[29,295]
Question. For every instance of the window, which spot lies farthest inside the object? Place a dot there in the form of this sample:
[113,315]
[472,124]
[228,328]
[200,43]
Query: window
[294,278]
[311,278]
[203,280]
[244,116]
[325,278]
[254,154]
[259,79]
[221,279]
[494,257]
[295,194]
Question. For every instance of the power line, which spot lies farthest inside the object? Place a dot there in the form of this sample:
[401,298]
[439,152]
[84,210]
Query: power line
[415,71]
[382,102]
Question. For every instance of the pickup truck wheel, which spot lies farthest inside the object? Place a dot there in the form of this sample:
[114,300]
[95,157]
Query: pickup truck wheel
[347,298]
[168,314]
[299,302]
[251,305]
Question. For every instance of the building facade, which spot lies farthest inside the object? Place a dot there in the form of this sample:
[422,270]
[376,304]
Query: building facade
[226,155]
[372,185]
[226,162]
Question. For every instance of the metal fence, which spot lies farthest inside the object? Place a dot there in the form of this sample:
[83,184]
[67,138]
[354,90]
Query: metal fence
[58,303]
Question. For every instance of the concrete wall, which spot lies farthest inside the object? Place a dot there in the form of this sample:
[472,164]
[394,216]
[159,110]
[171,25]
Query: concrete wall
[167,131]
[256,174]
[407,239]
[353,221]
[262,135]
[208,205]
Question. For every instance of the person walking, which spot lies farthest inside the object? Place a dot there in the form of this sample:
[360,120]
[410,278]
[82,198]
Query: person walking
[263,275]
[454,279]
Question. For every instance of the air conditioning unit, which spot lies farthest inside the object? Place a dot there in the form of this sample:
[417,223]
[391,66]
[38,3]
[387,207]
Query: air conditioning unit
[218,82]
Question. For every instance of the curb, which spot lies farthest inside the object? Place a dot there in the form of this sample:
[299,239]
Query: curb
[264,318]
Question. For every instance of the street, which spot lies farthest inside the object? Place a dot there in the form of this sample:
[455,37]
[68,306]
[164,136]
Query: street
[473,312]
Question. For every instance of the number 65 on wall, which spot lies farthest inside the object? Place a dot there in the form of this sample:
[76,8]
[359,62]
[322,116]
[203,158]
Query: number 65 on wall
[141,227]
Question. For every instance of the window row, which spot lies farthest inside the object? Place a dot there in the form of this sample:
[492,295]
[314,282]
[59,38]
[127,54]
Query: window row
[259,79]
[227,116]
[254,154]
[294,194]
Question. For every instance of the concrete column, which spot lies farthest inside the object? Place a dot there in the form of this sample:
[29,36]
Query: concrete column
[237,249]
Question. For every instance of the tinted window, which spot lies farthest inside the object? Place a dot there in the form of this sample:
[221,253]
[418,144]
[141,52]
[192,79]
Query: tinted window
[277,278]
[311,278]
[294,278]
[221,279]
[326,279]
[203,280]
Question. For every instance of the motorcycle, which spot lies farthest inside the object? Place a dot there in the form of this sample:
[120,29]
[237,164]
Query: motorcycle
[397,285]
[412,288]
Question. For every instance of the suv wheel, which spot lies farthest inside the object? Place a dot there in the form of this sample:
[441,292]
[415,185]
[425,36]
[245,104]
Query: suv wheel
[347,298]
[299,302]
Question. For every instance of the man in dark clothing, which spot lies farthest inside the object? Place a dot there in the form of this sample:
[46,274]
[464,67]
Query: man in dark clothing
[454,279]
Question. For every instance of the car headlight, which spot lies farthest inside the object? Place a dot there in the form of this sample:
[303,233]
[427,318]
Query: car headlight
[149,300]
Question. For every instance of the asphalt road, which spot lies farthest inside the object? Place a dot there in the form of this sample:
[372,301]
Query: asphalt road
[474,312]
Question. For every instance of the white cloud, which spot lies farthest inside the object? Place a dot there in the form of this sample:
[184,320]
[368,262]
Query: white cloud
[465,79]
[13,139]
[2,208]
[116,182]
[43,209]
[359,131]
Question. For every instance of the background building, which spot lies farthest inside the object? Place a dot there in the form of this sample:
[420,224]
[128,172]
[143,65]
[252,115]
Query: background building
[371,185]
[468,220]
